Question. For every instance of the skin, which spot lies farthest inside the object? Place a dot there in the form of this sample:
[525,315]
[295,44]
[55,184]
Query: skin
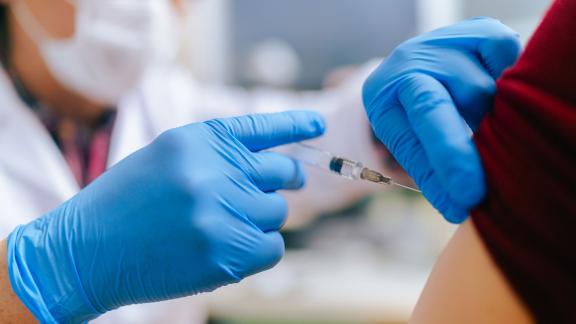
[57,19]
[11,309]
[467,287]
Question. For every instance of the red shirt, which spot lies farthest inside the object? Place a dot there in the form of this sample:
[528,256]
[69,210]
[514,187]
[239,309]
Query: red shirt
[528,147]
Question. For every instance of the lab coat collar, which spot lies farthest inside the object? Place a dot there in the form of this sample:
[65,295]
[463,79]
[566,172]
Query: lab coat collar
[29,154]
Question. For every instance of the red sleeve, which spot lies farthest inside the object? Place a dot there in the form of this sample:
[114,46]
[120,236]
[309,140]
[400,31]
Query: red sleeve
[528,147]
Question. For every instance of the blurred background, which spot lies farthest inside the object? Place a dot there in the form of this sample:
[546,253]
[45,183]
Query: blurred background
[368,263]
[242,40]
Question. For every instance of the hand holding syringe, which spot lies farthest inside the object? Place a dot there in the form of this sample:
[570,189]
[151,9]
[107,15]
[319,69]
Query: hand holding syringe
[344,167]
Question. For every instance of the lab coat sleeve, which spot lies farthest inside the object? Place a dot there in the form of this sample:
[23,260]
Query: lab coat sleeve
[348,130]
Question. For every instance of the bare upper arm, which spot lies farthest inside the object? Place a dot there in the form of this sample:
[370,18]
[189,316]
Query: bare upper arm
[11,309]
[467,287]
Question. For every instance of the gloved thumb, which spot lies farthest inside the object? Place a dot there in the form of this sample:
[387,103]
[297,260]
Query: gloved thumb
[500,47]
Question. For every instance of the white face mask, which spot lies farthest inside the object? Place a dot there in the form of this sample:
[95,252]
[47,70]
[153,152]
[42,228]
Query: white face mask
[110,50]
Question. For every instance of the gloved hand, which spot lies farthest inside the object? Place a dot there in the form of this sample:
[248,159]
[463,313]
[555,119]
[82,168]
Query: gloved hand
[427,96]
[195,210]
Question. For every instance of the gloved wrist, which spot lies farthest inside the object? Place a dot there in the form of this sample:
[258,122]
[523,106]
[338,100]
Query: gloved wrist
[43,277]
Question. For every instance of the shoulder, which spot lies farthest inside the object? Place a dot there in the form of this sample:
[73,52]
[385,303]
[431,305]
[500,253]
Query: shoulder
[466,286]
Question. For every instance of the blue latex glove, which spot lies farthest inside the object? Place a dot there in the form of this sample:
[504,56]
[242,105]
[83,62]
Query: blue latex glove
[424,99]
[195,210]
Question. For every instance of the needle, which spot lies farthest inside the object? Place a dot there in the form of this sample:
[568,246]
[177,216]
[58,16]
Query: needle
[377,177]
[344,167]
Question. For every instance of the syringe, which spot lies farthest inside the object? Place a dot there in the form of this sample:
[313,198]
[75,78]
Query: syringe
[344,167]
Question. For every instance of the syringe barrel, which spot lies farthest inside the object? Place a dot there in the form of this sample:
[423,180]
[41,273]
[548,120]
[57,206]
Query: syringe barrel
[310,155]
[326,160]
[346,168]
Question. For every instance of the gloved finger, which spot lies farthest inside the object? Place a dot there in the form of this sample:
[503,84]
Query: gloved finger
[500,47]
[268,211]
[441,200]
[450,150]
[394,129]
[472,90]
[264,131]
[267,252]
[272,171]
[495,43]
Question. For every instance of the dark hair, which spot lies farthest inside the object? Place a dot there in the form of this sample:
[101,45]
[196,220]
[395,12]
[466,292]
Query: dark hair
[4,41]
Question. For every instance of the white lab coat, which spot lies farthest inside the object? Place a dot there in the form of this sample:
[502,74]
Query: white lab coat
[34,177]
